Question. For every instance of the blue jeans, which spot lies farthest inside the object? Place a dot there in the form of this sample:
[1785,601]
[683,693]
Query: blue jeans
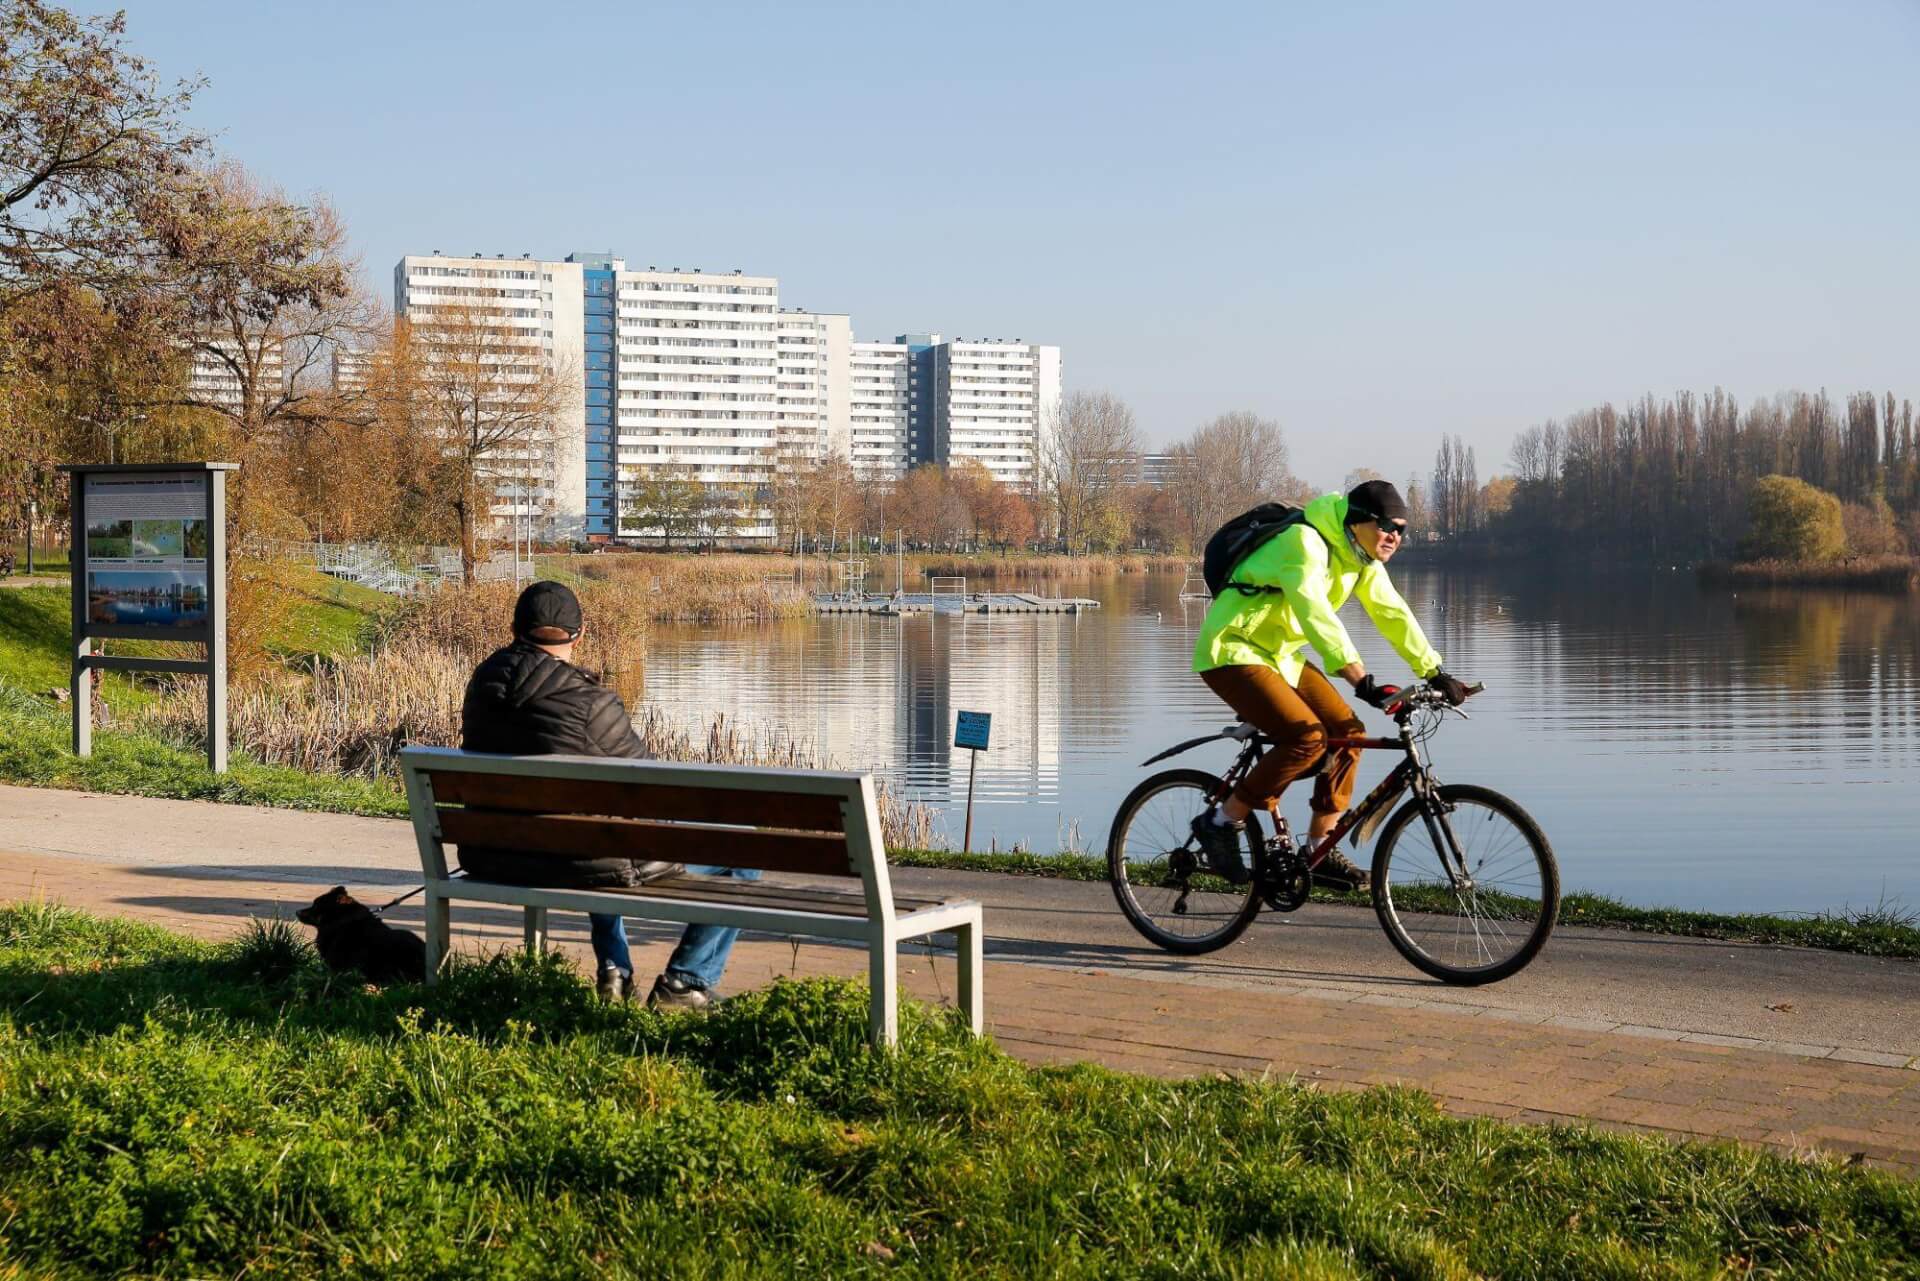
[703,951]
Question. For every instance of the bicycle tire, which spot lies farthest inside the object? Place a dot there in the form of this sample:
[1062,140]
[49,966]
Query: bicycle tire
[1235,919]
[1535,840]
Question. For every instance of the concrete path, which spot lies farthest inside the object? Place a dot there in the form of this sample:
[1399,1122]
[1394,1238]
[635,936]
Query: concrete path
[1780,1046]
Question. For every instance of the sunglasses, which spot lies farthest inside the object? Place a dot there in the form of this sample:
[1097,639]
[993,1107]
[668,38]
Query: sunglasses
[1397,528]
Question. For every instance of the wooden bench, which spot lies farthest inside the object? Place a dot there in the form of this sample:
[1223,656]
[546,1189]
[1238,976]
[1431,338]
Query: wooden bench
[814,822]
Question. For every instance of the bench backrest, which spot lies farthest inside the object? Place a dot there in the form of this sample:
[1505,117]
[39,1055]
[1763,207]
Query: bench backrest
[820,822]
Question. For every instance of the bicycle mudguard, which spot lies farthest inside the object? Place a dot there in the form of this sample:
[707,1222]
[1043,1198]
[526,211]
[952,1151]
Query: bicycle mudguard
[1363,832]
[1187,746]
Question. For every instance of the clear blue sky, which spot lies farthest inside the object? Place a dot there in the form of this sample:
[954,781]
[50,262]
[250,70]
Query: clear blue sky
[1375,222]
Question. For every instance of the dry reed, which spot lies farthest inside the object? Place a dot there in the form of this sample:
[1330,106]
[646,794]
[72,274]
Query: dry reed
[352,716]
[1888,573]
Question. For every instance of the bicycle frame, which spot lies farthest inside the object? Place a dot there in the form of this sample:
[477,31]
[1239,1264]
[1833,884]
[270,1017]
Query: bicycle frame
[1411,772]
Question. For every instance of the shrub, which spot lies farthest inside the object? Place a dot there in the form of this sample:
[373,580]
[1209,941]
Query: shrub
[1788,519]
[1871,529]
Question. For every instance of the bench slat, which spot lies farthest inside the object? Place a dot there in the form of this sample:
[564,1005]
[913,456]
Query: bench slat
[528,795]
[578,837]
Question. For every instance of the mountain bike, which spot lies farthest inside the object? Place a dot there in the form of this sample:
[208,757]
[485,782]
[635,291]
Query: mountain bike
[1464,882]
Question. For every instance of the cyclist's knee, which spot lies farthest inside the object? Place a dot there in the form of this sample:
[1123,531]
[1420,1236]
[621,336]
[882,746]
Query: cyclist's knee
[1309,742]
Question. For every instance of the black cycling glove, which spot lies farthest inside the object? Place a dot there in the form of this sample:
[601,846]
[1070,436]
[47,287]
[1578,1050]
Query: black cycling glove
[1451,688]
[1374,694]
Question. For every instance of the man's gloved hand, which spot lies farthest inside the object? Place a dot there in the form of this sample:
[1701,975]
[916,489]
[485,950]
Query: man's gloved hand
[1451,688]
[1374,694]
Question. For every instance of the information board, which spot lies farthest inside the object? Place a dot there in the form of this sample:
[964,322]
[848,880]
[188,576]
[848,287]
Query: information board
[146,550]
[972,730]
[150,563]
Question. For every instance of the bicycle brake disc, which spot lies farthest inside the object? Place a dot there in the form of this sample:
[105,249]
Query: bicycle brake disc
[1287,881]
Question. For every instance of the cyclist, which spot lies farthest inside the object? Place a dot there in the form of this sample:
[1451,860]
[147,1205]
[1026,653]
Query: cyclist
[1251,653]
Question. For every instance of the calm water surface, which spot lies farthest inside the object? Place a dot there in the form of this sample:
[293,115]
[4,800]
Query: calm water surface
[1752,751]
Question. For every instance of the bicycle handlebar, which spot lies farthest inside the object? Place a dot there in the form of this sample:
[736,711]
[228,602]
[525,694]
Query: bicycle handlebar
[1426,696]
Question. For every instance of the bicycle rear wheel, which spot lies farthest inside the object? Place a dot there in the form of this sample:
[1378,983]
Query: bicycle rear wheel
[1155,867]
[1480,927]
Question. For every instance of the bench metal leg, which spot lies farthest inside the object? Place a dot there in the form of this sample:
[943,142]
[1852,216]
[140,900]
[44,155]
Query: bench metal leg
[883,977]
[439,935]
[970,947]
[535,930]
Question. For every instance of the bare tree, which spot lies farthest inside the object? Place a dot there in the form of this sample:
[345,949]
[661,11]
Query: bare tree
[491,400]
[1088,455]
[1237,461]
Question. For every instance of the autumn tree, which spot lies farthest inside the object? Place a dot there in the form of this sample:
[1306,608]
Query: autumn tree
[1789,519]
[88,136]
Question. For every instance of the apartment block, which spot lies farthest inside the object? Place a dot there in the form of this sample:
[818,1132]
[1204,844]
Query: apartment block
[703,374]
[812,389]
[993,403]
[211,377]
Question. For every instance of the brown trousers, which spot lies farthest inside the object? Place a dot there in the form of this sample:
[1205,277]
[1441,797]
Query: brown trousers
[1300,721]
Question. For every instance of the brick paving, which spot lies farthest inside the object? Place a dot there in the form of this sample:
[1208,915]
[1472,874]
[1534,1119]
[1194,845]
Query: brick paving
[1855,1103]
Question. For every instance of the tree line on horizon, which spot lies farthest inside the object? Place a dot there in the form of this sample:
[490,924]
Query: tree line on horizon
[1671,481]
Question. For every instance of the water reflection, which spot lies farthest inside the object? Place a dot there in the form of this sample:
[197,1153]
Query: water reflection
[1758,750]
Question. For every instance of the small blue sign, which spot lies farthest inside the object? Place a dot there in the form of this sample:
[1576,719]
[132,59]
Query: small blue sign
[972,730]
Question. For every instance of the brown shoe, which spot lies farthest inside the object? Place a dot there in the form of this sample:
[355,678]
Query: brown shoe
[1337,872]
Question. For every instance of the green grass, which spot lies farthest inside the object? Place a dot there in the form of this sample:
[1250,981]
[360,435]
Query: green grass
[330,618]
[171,1108]
[36,750]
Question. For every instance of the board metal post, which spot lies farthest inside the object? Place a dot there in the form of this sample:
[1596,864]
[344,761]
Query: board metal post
[971,731]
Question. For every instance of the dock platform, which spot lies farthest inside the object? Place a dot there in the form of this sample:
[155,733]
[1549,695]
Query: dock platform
[893,604]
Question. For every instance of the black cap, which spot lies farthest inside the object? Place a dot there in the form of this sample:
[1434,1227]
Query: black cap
[1375,500]
[547,613]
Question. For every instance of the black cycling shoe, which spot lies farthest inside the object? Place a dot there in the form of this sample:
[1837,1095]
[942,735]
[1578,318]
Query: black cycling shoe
[1337,872]
[1220,848]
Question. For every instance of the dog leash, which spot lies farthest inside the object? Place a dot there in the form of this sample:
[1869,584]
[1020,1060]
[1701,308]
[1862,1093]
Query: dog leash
[419,889]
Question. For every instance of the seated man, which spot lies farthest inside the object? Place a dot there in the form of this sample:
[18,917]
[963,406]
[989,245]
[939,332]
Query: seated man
[528,699]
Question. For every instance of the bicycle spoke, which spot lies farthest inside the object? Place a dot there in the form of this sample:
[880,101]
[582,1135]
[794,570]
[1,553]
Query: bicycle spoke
[1473,907]
[1159,872]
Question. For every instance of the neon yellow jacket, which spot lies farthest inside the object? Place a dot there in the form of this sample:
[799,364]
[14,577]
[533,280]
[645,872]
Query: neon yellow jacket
[1316,570]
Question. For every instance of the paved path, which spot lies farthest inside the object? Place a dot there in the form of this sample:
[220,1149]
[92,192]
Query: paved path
[1779,1046]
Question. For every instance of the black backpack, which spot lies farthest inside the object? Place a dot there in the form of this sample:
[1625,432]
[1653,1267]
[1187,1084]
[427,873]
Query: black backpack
[1239,538]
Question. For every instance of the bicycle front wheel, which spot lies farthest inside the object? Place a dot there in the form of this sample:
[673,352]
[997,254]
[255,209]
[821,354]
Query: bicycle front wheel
[1155,866]
[1472,909]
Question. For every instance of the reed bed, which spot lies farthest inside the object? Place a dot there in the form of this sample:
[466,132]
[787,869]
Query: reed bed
[664,588]
[1888,573]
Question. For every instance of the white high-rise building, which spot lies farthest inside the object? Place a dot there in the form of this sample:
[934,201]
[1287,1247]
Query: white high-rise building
[211,377]
[535,309]
[880,382]
[351,367]
[811,393]
[993,403]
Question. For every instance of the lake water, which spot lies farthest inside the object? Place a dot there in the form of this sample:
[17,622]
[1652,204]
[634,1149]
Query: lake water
[1751,751]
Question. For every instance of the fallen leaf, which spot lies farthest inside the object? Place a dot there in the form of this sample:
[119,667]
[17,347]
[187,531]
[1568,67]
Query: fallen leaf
[878,1251]
[1781,1007]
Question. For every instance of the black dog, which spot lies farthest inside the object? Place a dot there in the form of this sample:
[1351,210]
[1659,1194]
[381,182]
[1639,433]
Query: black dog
[351,937]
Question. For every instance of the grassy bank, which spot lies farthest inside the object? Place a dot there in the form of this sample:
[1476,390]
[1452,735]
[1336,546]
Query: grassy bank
[1863,573]
[170,1108]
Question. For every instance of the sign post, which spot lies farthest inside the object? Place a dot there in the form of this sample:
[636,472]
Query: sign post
[150,563]
[971,732]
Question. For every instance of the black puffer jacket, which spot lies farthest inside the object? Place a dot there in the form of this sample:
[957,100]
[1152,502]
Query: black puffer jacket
[522,701]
